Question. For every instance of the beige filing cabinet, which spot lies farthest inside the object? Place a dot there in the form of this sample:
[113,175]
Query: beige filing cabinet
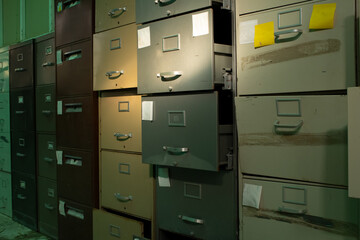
[294,137]
[115,64]
[297,211]
[5,194]
[113,13]
[301,59]
[246,6]
[133,191]
[120,122]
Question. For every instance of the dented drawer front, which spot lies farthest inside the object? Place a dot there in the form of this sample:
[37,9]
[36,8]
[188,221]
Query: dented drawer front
[120,122]
[24,199]
[114,227]
[4,112]
[45,62]
[75,221]
[295,137]
[23,157]
[22,65]
[46,108]
[297,62]
[4,71]
[74,20]
[5,152]
[296,211]
[75,56]
[133,193]
[246,6]
[115,64]
[77,176]
[5,194]
[22,109]
[46,155]
[113,13]
[191,205]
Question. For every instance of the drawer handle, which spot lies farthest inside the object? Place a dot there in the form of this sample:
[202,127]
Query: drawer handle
[70,3]
[20,155]
[168,76]
[191,220]
[111,13]
[49,160]
[49,206]
[48,64]
[123,199]
[19,112]
[47,112]
[164,2]
[21,197]
[122,137]
[20,69]
[110,74]
[292,211]
[72,55]
[76,214]
[175,150]
[293,127]
[278,34]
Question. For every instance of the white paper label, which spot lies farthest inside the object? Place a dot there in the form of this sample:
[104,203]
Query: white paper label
[163,177]
[59,107]
[62,208]
[247,31]
[144,37]
[59,157]
[147,111]
[200,24]
[252,195]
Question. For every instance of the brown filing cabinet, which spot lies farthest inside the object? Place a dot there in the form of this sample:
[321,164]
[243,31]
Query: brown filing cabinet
[4,112]
[22,109]
[5,194]
[45,60]
[46,155]
[23,157]
[46,108]
[5,152]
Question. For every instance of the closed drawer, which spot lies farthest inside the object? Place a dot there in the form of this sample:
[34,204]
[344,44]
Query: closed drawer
[5,152]
[120,122]
[115,64]
[246,6]
[47,207]
[168,49]
[22,109]
[4,70]
[5,194]
[4,112]
[46,108]
[23,157]
[113,13]
[45,61]
[133,193]
[297,211]
[306,135]
[306,60]
[46,155]
[184,206]
[22,65]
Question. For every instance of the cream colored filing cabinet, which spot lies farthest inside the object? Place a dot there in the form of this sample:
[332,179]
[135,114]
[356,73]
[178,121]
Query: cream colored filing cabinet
[301,59]
[5,194]
[246,6]
[294,137]
[120,122]
[115,64]
[133,191]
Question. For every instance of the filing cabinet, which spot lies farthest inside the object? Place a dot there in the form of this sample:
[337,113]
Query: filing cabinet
[245,6]
[4,69]
[120,122]
[5,194]
[301,59]
[22,65]
[45,60]
[23,157]
[47,207]
[115,64]
[294,137]
[38,18]
[46,108]
[4,112]
[74,20]
[46,155]
[5,152]
[113,13]
[22,109]
[184,53]
[298,211]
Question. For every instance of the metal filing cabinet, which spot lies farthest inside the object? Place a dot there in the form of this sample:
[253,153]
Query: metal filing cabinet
[133,191]
[47,207]
[77,176]
[22,65]
[115,64]
[22,109]
[246,6]
[23,157]
[297,211]
[24,199]
[198,204]
[75,221]
[46,108]
[5,194]
[4,69]
[39,17]
[5,152]
[113,13]
[301,59]
[294,137]
[120,122]
[187,130]
[76,56]
[74,20]
[184,53]
[4,112]
[45,60]
[46,155]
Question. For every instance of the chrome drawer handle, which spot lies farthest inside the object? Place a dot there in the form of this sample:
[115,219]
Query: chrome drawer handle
[191,220]
[110,74]
[49,206]
[122,137]
[164,2]
[297,31]
[19,112]
[111,13]
[48,64]
[21,197]
[123,199]
[167,76]
[175,150]
[292,211]
[49,160]
[292,127]
[20,69]
[47,112]
[20,155]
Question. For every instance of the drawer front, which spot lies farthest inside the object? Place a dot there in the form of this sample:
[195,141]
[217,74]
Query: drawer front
[184,206]
[45,62]
[114,227]
[113,13]
[75,220]
[120,122]
[186,134]
[22,66]
[115,64]
[4,112]
[298,62]
[72,130]
[76,56]
[22,109]
[4,72]
[133,193]
[306,135]
[77,176]
[74,20]
[5,152]
[295,211]
[246,6]
[47,207]
[46,157]
[46,108]
[5,194]
[23,152]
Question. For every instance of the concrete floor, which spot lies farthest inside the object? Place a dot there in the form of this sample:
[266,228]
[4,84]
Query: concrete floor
[10,230]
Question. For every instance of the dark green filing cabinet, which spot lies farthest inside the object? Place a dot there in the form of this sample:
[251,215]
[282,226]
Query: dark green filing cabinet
[45,108]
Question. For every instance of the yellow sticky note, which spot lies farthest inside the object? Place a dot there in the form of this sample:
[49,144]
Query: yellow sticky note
[322,16]
[264,34]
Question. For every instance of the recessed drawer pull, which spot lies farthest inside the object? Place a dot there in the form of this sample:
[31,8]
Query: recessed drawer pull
[123,199]
[48,64]
[49,160]
[21,197]
[110,74]
[72,55]
[70,3]
[292,211]
[191,220]
[47,112]
[19,112]
[20,69]
[164,2]
[175,150]
[291,127]
[122,137]
[278,34]
[168,76]
[75,213]
[111,13]
[20,155]
[49,206]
